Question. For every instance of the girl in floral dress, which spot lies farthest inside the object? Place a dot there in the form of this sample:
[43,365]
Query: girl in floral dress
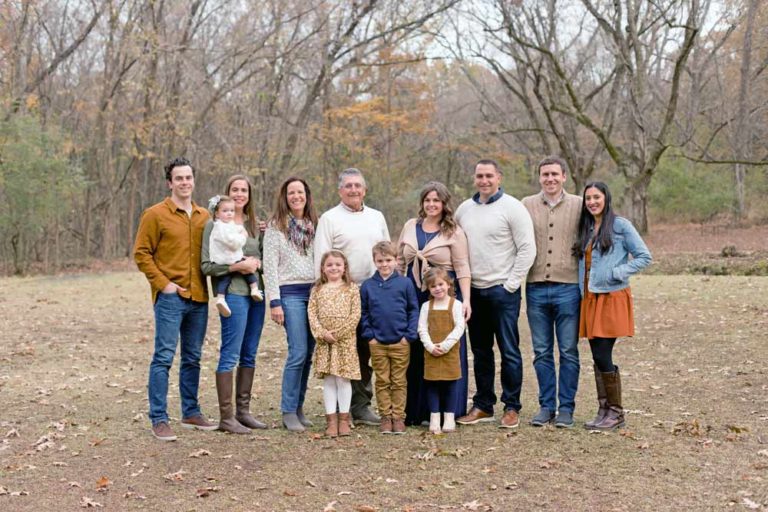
[334,312]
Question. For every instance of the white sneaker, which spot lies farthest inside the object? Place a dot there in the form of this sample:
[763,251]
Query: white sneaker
[223,307]
[449,423]
[256,294]
[434,423]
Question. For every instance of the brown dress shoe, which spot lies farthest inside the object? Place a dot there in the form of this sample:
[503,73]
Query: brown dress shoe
[475,416]
[199,423]
[386,425]
[510,419]
[398,426]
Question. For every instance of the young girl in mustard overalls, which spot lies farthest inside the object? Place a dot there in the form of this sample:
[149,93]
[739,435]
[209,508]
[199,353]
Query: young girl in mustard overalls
[441,325]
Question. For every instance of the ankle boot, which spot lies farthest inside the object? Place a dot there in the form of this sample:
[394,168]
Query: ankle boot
[344,429]
[244,385]
[614,417]
[292,423]
[602,402]
[227,421]
[332,430]
[303,419]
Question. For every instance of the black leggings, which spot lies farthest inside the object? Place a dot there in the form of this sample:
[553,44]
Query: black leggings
[602,353]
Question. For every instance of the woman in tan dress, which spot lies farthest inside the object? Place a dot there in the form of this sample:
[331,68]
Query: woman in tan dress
[605,243]
[334,312]
[434,240]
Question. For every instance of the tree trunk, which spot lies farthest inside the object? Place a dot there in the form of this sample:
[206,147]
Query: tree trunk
[637,206]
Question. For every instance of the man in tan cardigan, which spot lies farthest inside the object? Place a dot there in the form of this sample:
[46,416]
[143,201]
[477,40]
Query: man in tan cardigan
[552,293]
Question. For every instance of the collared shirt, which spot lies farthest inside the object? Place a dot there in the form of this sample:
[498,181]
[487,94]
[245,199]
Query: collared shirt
[167,248]
[362,207]
[495,197]
[551,203]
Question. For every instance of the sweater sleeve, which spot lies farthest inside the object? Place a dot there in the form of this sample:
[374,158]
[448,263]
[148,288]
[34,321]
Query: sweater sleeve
[525,242]
[271,265]
[458,328]
[460,254]
[424,328]
[323,240]
[412,334]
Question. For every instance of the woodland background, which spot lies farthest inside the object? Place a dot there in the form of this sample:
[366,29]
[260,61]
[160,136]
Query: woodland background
[666,100]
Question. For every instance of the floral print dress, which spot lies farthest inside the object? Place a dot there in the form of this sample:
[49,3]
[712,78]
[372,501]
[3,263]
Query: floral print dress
[335,309]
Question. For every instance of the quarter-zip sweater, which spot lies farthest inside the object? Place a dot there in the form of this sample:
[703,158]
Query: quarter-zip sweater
[390,309]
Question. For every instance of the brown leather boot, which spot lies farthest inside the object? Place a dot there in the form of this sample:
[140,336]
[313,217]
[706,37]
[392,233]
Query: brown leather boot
[344,429]
[614,417]
[227,421]
[602,401]
[332,430]
[244,385]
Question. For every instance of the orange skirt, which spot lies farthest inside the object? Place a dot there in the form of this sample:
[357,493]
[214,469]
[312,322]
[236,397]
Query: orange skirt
[607,315]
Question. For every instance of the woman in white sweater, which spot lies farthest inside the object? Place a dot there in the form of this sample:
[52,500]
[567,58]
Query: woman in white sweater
[289,273]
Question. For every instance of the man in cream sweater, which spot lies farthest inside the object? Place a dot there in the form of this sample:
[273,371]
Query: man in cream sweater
[353,228]
[501,250]
[552,293]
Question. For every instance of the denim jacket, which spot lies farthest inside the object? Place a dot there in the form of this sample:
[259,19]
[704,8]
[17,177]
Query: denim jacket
[610,272]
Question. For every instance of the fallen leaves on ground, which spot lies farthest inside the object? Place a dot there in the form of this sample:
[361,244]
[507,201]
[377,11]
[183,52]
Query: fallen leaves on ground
[87,502]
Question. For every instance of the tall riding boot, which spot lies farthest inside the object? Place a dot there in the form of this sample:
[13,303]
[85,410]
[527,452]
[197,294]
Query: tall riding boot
[602,401]
[614,417]
[243,398]
[227,421]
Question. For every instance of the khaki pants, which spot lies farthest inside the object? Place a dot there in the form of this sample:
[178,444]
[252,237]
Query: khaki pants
[390,363]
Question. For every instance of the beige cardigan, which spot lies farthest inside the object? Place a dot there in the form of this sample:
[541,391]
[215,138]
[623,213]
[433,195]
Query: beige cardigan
[450,253]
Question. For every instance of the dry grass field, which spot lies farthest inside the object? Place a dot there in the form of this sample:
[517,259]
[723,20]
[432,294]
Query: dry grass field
[74,353]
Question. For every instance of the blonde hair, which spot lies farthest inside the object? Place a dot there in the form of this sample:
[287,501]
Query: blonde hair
[333,253]
[436,273]
[385,248]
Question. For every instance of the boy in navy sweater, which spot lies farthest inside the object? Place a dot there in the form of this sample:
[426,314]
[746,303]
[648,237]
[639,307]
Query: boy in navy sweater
[390,319]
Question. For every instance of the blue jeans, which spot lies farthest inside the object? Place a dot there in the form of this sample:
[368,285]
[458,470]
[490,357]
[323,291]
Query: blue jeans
[301,345]
[494,313]
[176,317]
[240,333]
[553,308]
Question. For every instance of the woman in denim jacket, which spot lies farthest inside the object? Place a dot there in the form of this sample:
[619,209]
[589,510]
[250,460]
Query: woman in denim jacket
[603,247]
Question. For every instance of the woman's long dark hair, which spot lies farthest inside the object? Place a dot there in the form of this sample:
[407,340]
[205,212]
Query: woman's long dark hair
[604,238]
[282,211]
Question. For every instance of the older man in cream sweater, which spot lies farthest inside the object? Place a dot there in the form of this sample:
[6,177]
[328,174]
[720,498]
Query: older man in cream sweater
[353,228]
[502,248]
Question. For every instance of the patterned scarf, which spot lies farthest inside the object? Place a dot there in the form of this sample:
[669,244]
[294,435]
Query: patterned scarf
[301,233]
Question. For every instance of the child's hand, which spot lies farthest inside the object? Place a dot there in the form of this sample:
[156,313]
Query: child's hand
[329,337]
[437,351]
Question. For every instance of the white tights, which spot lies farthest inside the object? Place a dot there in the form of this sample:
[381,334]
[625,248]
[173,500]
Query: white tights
[336,389]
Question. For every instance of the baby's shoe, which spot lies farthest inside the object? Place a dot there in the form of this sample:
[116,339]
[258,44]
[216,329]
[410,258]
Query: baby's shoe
[256,294]
[223,307]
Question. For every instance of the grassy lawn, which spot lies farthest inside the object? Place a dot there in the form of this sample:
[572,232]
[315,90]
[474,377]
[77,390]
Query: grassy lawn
[74,354]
